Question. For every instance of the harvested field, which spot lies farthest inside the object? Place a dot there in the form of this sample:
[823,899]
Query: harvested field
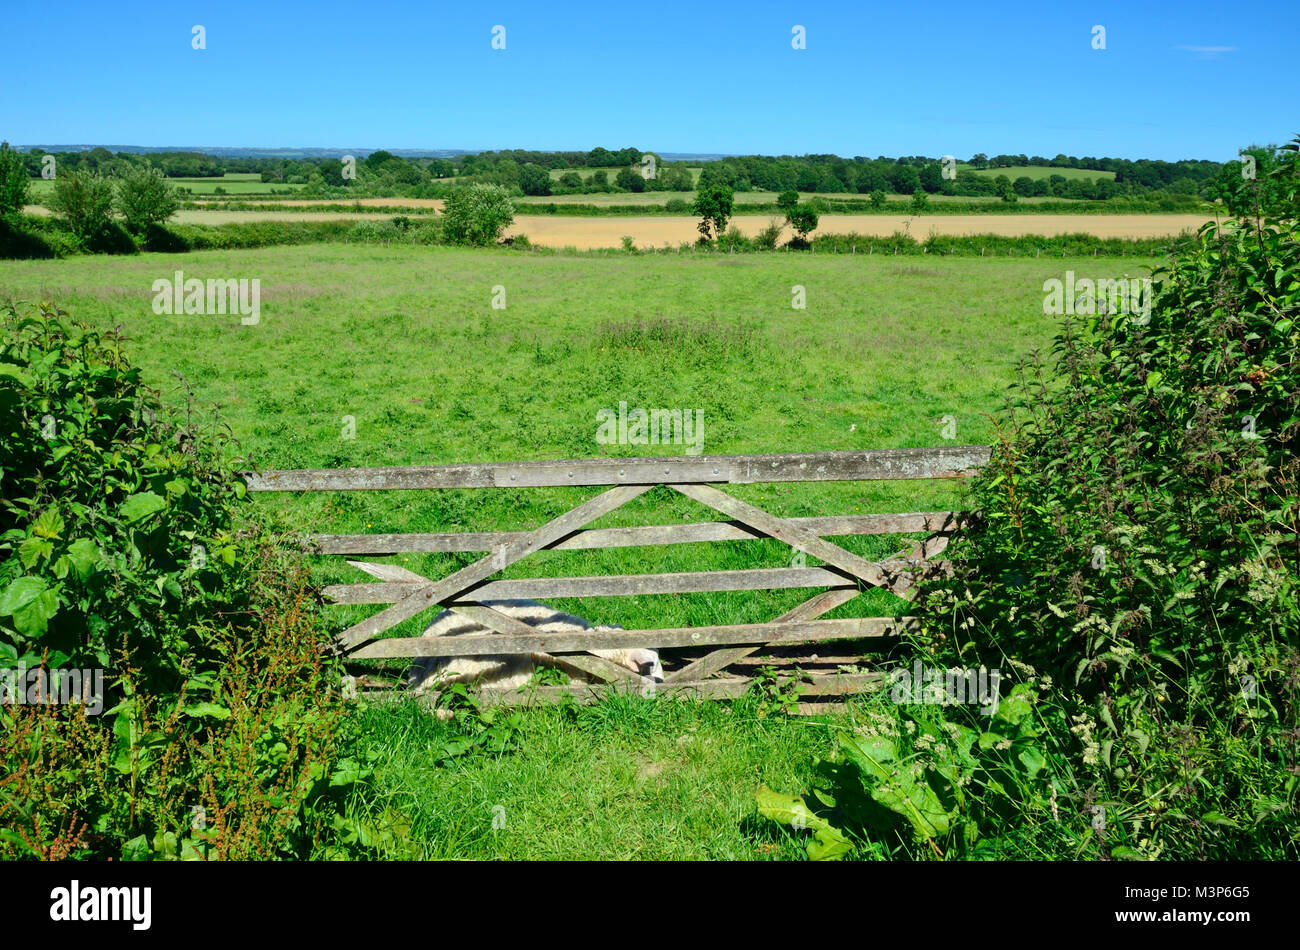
[586,233]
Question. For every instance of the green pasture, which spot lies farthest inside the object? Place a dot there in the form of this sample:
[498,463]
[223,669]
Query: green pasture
[403,343]
[233,183]
[1036,172]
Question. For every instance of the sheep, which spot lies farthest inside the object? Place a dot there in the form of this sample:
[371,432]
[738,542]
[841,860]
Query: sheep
[514,670]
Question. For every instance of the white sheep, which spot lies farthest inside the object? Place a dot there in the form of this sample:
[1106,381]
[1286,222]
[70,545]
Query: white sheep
[512,671]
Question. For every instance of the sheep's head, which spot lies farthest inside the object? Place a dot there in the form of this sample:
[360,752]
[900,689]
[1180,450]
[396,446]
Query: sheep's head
[646,663]
[639,661]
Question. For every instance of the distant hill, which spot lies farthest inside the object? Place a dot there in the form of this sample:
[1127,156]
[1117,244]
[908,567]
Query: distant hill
[312,152]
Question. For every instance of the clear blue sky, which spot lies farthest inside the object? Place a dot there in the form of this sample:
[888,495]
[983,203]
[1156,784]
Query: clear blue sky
[1181,79]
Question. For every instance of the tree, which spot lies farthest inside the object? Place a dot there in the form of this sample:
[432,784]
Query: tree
[629,180]
[477,214]
[571,180]
[786,200]
[676,178]
[906,179]
[13,181]
[85,200]
[919,200]
[713,204]
[332,171]
[534,180]
[979,160]
[803,219]
[1024,186]
[144,197]
[931,178]
[877,199]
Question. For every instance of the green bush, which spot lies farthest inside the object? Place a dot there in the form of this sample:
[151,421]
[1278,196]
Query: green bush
[85,201]
[766,239]
[1134,573]
[159,238]
[19,243]
[144,198]
[261,233]
[14,182]
[111,238]
[1140,546]
[477,215]
[123,549]
[375,232]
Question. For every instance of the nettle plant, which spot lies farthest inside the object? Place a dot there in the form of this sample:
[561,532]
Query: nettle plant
[1143,507]
[123,548]
[1138,558]
[116,521]
[1141,536]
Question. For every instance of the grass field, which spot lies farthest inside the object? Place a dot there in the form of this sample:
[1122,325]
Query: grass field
[233,183]
[404,340]
[1036,172]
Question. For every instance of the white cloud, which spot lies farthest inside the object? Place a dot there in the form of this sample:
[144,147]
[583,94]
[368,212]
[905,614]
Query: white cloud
[1208,52]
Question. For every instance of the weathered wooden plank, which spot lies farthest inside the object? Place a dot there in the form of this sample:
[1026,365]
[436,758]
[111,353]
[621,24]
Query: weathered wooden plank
[811,608]
[390,573]
[541,642]
[827,684]
[425,597]
[617,585]
[626,585]
[956,461]
[799,661]
[782,530]
[638,536]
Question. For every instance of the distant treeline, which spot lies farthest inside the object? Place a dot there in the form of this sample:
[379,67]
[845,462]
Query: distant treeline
[1158,202]
[904,176]
[616,171]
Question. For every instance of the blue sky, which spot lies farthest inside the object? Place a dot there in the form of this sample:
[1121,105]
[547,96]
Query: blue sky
[1176,80]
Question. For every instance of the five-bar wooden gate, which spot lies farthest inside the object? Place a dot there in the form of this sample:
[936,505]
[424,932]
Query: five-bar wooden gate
[703,654]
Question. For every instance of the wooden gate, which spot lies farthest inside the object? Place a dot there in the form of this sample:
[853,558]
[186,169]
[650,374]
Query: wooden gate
[701,653]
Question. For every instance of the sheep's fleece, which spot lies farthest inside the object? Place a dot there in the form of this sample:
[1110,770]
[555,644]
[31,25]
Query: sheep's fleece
[512,671]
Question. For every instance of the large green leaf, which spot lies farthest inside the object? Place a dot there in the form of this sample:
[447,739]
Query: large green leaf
[19,594]
[30,603]
[828,842]
[896,786]
[141,506]
[84,556]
